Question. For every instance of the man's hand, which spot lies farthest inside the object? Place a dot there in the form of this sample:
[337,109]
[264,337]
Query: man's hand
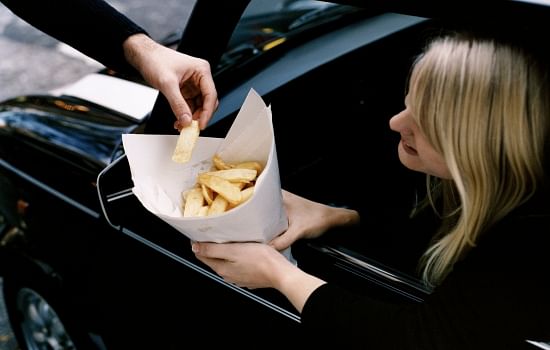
[184,80]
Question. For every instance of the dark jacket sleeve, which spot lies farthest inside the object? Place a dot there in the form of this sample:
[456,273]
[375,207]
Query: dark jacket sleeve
[91,26]
[496,298]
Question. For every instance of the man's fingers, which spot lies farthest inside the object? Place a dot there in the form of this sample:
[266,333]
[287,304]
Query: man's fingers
[183,112]
[209,101]
[180,108]
[208,110]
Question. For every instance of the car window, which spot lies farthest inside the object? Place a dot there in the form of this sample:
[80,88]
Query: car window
[333,141]
[334,145]
[264,27]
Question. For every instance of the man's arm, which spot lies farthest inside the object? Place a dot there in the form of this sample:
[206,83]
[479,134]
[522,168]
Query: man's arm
[93,27]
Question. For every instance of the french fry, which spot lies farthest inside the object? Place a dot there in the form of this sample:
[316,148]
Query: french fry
[235,174]
[203,211]
[223,187]
[193,202]
[186,142]
[219,205]
[208,194]
[250,165]
[219,164]
[240,185]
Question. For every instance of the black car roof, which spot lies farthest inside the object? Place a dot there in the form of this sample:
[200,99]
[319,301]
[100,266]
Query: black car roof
[212,22]
[224,16]
[516,10]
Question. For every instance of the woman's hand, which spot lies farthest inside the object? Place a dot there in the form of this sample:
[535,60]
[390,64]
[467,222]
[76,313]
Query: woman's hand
[257,265]
[308,219]
[184,80]
[251,265]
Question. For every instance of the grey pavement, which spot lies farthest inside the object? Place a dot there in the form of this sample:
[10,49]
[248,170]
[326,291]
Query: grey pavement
[7,338]
[33,62]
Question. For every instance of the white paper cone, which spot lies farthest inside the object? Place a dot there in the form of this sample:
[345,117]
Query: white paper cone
[159,181]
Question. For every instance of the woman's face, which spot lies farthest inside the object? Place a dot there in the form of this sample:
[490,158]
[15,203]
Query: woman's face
[414,150]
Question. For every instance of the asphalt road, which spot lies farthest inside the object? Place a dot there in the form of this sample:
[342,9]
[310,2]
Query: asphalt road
[33,62]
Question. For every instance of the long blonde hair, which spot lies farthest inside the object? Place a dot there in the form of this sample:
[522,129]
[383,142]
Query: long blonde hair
[485,107]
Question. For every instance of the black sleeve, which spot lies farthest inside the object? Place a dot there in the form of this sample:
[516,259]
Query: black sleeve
[91,26]
[496,298]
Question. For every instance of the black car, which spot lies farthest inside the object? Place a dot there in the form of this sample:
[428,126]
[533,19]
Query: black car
[84,265]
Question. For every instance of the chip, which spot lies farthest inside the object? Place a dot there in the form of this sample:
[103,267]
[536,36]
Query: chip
[221,186]
[186,142]
[225,187]
[235,174]
[218,206]
[193,202]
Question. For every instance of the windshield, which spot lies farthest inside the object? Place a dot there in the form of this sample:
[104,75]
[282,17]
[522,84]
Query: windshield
[261,31]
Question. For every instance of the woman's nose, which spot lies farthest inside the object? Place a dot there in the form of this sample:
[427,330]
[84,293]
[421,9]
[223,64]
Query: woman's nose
[398,121]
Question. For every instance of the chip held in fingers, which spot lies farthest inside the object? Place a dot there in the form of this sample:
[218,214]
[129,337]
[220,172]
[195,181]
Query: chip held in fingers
[186,142]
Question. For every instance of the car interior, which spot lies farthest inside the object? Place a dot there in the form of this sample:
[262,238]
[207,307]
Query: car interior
[343,152]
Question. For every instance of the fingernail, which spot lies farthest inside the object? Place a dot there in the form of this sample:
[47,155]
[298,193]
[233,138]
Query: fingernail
[195,247]
[186,118]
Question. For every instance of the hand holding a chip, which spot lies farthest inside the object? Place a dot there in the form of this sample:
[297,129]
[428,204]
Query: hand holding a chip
[213,189]
[184,80]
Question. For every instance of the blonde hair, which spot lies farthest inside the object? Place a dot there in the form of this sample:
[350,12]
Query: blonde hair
[484,107]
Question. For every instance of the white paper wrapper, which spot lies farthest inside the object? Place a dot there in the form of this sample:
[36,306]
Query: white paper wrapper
[159,181]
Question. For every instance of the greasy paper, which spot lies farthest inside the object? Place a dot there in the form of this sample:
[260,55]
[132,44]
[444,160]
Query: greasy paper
[159,181]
